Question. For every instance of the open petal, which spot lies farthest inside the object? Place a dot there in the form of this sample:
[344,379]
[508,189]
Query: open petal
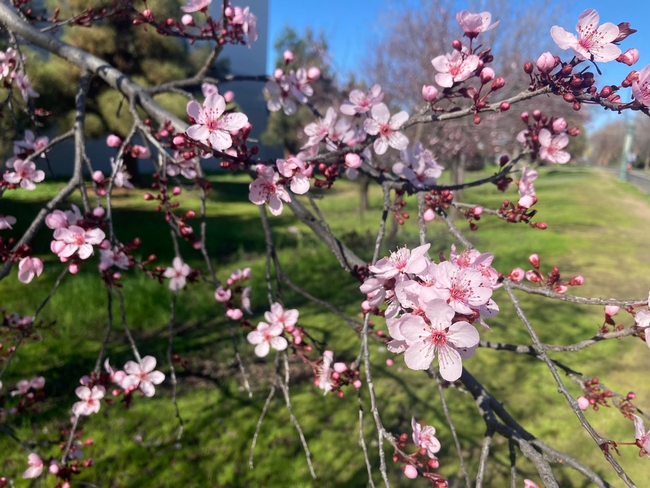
[262,349]
[381,145]
[462,334]
[194,109]
[450,363]
[419,356]
[398,141]
[562,38]
[279,343]
[380,113]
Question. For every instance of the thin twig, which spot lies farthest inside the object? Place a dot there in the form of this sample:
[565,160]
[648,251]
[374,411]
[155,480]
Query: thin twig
[259,425]
[172,370]
[485,454]
[362,440]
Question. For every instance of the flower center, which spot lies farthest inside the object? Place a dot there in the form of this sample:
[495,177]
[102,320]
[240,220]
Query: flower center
[385,130]
[439,338]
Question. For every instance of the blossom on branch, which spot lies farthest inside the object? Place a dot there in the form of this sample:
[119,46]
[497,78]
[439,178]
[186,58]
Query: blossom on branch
[75,239]
[266,336]
[418,166]
[641,86]
[143,375]
[594,43]
[474,24]
[454,67]
[381,123]
[360,102]
[297,171]
[177,274]
[6,221]
[196,5]
[90,400]
[642,437]
[25,174]
[266,189]
[551,147]
[28,268]
[211,127]
[278,315]
[35,466]
[425,438]
[248,21]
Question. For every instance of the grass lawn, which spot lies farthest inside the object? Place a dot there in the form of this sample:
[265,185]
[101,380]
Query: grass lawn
[598,228]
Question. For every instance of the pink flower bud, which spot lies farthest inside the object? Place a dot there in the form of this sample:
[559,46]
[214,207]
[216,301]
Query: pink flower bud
[288,56]
[340,367]
[534,260]
[54,467]
[577,281]
[611,310]
[352,160]
[177,190]
[487,74]
[98,176]
[526,201]
[559,125]
[84,380]
[222,295]
[228,11]
[429,215]
[187,19]
[105,244]
[561,289]
[73,268]
[99,212]
[629,57]
[477,211]
[365,305]
[583,403]
[390,362]
[234,313]
[278,74]
[516,275]
[546,62]
[229,96]
[357,384]
[410,471]
[178,140]
[498,83]
[532,276]
[313,73]
[429,93]
[113,141]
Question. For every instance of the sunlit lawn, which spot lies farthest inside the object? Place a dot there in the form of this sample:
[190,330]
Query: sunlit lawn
[598,228]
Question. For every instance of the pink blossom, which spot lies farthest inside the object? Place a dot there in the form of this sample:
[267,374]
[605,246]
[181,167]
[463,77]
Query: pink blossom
[25,173]
[116,377]
[222,295]
[28,268]
[525,186]
[418,166]
[121,176]
[177,274]
[31,143]
[75,239]
[642,437]
[187,19]
[35,464]
[429,93]
[246,299]
[185,167]
[211,128]
[22,387]
[143,375]
[410,471]
[278,98]
[113,257]
[317,131]
[429,215]
[611,310]
[248,22]
[266,189]
[352,160]
[196,5]
[516,275]
[25,86]
[113,141]
[629,57]
[552,145]
[441,336]
[6,221]
[583,403]
[208,89]
[297,171]
[324,372]
[546,62]
[474,24]
[288,56]
[424,437]
[90,400]
[360,102]
[266,336]
[401,261]
[313,73]
[454,67]
[595,43]
[641,87]
[465,289]
[559,125]
[278,315]
[387,127]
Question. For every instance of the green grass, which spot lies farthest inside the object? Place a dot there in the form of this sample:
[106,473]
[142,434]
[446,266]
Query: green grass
[598,227]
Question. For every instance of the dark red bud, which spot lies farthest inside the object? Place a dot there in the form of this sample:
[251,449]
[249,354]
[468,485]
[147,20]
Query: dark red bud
[528,67]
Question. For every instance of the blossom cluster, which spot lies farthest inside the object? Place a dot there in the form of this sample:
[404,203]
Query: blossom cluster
[235,296]
[288,88]
[12,71]
[553,279]
[271,333]
[432,306]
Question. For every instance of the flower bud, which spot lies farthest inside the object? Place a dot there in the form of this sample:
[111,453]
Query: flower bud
[177,190]
[487,74]
[577,281]
[546,62]
[528,67]
[390,362]
[288,56]
[187,19]
[532,276]
[429,93]
[457,45]
[629,57]
[113,141]
[569,97]
[278,74]
[234,313]
[98,176]
[573,131]
[352,160]
[504,107]
[229,96]
[534,260]
[498,83]
[524,117]
[429,215]
[357,384]
[537,115]
[73,268]
[516,275]
[410,471]
[477,119]
[583,403]
[313,73]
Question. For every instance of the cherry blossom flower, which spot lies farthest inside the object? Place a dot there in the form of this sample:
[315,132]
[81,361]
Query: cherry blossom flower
[28,268]
[22,387]
[267,336]
[401,261]
[324,370]
[474,24]
[25,173]
[441,336]
[143,375]
[35,464]
[387,127]
[641,87]
[360,102]
[465,289]
[410,471]
[297,83]
[424,437]
[113,141]
[177,274]
[338,134]
[278,98]
[629,57]
[246,299]
[642,437]
[122,177]
[25,86]
[208,89]
[211,126]
[317,131]
[551,147]
[418,166]
[517,275]
[278,315]
[90,400]
[75,239]
[222,295]
[454,68]
[196,5]
[266,189]
[525,186]
[31,143]
[185,167]
[248,22]
[6,221]
[113,257]
[297,171]
[116,377]
[595,43]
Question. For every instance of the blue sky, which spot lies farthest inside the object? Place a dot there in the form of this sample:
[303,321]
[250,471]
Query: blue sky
[349,25]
